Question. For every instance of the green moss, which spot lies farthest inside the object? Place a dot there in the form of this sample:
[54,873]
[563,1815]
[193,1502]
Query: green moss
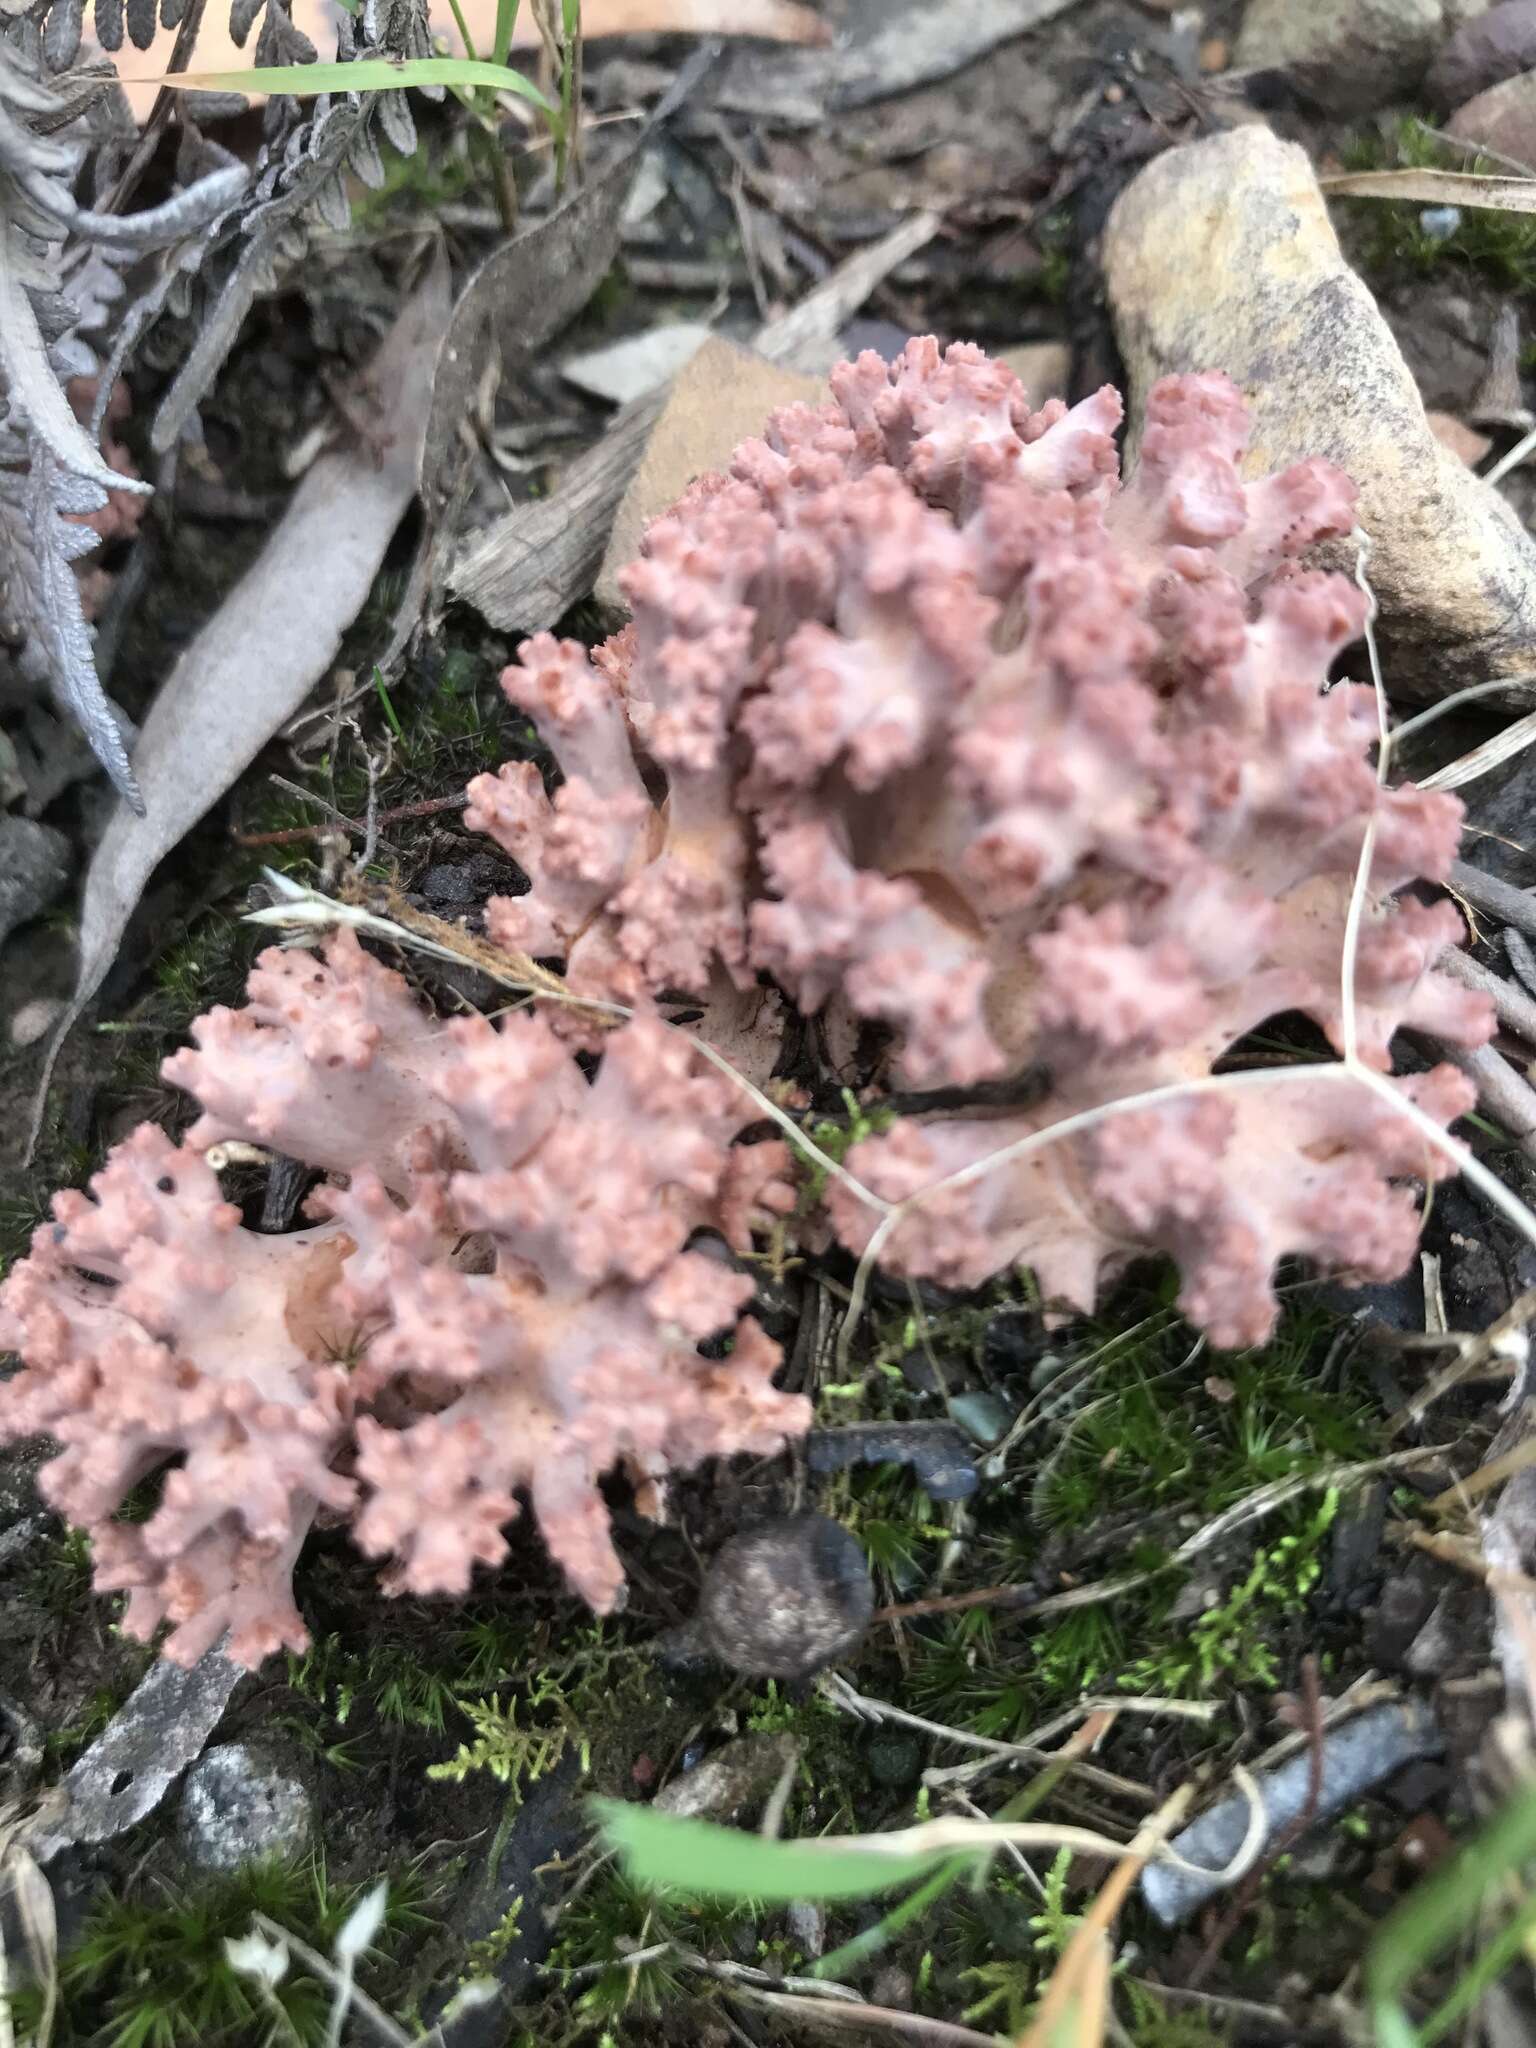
[836,1136]
[153,1972]
[1163,1424]
[1140,1431]
[482,1957]
[614,1919]
[1386,237]
[1234,1642]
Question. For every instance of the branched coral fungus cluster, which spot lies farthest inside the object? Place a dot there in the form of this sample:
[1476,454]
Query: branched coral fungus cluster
[1037,767]
[924,714]
[504,1277]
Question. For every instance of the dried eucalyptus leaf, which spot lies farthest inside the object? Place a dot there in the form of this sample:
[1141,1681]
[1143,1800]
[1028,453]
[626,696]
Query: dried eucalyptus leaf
[275,635]
[518,298]
[108,17]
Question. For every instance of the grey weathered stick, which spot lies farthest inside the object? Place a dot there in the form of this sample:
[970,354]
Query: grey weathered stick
[532,565]
[143,1750]
[1499,899]
[1512,1005]
[1499,1088]
[1356,1756]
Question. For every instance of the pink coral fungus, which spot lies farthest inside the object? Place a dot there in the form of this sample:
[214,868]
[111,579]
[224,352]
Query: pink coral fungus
[930,716]
[505,1277]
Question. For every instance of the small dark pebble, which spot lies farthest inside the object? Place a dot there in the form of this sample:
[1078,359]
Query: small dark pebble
[894,1758]
[1012,1343]
[1419,1787]
[1354,1552]
[451,882]
[1405,1603]
[917,1370]
[786,1599]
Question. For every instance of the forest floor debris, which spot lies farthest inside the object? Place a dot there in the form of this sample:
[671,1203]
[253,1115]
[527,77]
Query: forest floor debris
[1140,1566]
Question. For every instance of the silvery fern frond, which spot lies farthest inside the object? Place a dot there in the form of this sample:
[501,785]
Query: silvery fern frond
[57,264]
[298,179]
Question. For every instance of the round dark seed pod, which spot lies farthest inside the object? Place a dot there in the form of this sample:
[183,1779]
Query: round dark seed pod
[786,1599]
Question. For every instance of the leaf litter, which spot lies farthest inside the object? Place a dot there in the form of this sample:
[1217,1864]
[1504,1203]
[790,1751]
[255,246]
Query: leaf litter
[260,657]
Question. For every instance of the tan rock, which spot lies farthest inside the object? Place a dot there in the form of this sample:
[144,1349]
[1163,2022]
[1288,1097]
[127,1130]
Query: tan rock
[1464,442]
[720,398]
[1503,118]
[1042,367]
[1220,256]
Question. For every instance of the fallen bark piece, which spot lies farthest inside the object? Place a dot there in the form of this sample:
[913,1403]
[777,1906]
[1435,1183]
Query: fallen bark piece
[521,295]
[1220,254]
[1356,1756]
[638,364]
[940,1458]
[140,1754]
[884,47]
[527,568]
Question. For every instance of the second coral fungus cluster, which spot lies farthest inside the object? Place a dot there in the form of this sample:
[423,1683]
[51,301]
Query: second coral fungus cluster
[925,715]
[504,1280]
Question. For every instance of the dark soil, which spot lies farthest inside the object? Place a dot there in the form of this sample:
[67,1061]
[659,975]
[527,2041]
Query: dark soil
[1121,1439]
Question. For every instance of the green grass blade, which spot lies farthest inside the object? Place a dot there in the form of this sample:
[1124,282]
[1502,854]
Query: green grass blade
[368,74]
[498,56]
[506,22]
[1438,1911]
[389,710]
[1482,1971]
[726,1863]
[901,1916]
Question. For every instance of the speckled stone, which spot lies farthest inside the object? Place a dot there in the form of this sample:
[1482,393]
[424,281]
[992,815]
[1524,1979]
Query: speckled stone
[1221,255]
[238,1807]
